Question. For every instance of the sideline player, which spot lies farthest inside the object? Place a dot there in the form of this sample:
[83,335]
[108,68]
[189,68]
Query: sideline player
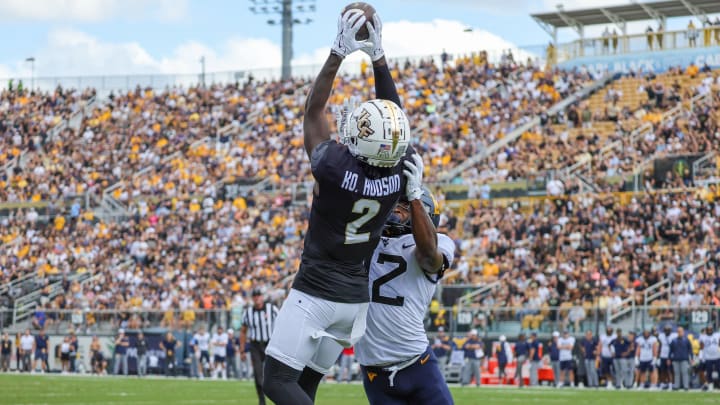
[357,183]
[203,344]
[566,344]
[398,366]
[665,369]
[219,343]
[646,358]
[710,350]
[605,356]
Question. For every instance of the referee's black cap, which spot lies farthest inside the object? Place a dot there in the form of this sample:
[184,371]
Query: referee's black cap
[256,292]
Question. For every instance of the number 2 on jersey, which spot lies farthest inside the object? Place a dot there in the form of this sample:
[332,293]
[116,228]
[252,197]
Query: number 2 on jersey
[401,268]
[368,209]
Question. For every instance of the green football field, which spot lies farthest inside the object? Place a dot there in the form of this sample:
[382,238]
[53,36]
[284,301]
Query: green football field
[43,389]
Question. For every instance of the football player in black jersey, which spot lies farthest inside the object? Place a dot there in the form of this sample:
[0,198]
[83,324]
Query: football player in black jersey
[358,181]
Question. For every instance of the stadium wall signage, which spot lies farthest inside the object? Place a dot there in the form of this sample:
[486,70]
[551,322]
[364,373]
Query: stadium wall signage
[658,61]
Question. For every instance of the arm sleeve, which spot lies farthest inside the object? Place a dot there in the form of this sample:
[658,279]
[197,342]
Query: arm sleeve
[447,249]
[384,85]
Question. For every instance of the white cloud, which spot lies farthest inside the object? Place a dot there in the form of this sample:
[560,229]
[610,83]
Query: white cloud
[5,71]
[91,10]
[494,7]
[426,38]
[407,38]
[70,52]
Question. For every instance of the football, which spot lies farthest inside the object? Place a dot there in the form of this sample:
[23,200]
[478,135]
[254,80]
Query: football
[369,10]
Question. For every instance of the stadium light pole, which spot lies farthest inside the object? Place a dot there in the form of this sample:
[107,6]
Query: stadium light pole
[202,70]
[286,9]
[32,72]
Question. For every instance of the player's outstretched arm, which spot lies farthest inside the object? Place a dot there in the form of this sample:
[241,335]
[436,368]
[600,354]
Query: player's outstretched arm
[384,84]
[426,243]
[315,124]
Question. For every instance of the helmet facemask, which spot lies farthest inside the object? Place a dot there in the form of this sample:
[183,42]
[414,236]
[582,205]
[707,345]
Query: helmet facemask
[395,226]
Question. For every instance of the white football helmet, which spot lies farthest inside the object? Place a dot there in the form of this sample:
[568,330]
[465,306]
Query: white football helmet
[377,132]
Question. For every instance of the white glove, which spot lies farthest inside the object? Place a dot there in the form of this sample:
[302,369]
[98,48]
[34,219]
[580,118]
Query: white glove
[349,24]
[414,175]
[656,362]
[637,361]
[374,48]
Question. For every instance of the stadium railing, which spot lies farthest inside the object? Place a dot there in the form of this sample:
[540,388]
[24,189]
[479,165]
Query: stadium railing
[107,321]
[9,287]
[489,321]
[636,43]
[104,84]
[517,133]
[25,306]
[510,321]
[706,169]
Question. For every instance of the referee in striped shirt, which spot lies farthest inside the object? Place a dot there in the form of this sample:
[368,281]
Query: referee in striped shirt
[258,323]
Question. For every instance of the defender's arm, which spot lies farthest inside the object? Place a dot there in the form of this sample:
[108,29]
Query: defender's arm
[426,243]
[384,84]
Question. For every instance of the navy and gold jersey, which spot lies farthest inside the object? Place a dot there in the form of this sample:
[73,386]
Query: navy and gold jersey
[350,206]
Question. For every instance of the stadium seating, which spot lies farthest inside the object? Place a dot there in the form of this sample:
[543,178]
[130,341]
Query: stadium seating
[593,252]
[473,105]
[606,131]
[165,157]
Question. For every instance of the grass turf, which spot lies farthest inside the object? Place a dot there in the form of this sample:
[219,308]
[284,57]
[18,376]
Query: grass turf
[44,389]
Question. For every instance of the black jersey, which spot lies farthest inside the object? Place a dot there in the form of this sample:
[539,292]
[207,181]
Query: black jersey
[350,206]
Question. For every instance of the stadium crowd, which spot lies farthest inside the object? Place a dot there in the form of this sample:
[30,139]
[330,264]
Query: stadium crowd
[139,129]
[592,252]
[26,118]
[188,248]
[176,255]
[187,139]
[182,223]
[585,128]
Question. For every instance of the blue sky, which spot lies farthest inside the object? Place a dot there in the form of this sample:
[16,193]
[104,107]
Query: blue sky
[80,37]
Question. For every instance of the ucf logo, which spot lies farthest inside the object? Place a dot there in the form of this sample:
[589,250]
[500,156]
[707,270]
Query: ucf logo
[371,376]
[363,124]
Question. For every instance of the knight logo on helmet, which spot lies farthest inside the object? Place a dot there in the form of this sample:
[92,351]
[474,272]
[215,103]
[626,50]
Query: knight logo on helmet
[381,134]
[363,125]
